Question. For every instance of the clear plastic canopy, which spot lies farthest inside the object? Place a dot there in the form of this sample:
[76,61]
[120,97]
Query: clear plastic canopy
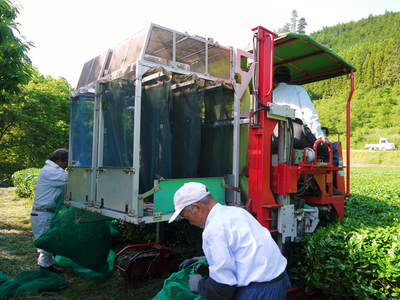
[158,46]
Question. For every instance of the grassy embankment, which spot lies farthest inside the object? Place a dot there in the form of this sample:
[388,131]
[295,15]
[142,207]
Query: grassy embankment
[17,254]
[387,158]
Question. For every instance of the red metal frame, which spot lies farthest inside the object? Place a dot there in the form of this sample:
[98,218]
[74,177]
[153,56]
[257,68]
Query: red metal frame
[285,179]
[348,123]
[261,198]
[328,177]
[142,249]
[315,147]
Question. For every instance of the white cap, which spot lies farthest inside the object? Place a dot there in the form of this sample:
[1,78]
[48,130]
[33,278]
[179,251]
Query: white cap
[189,193]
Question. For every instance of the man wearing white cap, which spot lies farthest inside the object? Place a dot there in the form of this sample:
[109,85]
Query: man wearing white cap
[244,261]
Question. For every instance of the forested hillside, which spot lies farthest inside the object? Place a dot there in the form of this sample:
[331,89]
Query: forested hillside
[372,45]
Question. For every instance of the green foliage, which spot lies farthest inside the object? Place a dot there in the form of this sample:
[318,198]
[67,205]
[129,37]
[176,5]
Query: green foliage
[7,168]
[301,26]
[360,255]
[135,234]
[34,109]
[295,25]
[374,114]
[366,31]
[373,47]
[177,235]
[25,182]
[13,68]
[35,122]
[388,158]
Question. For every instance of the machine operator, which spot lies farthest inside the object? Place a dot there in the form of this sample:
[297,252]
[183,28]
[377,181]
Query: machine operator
[307,128]
[244,261]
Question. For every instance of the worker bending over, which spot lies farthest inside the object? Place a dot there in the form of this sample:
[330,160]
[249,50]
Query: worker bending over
[244,261]
[52,178]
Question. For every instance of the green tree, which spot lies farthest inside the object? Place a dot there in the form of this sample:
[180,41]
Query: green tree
[14,70]
[293,21]
[301,26]
[34,123]
[295,25]
[373,47]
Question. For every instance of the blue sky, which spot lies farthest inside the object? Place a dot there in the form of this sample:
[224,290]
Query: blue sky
[68,33]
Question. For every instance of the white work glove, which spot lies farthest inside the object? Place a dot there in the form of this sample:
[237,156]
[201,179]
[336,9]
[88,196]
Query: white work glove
[190,261]
[194,280]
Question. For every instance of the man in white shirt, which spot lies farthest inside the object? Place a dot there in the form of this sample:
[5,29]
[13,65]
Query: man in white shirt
[298,99]
[244,261]
[52,178]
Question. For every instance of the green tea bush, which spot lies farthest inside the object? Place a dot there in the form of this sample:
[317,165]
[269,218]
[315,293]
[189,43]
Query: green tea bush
[181,236]
[25,182]
[359,257]
[134,234]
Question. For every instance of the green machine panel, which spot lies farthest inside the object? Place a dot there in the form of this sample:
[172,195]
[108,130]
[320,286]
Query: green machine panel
[164,198]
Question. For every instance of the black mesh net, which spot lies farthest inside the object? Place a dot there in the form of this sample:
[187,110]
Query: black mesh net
[216,133]
[185,132]
[155,135]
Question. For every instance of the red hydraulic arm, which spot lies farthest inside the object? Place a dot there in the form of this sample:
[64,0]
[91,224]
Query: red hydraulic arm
[261,199]
[348,123]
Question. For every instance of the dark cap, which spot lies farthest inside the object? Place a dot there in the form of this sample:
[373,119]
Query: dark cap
[282,74]
[59,155]
[282,70]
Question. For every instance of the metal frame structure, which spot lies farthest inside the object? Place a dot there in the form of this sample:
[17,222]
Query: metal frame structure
[261,198]
[137,69]
[270,184]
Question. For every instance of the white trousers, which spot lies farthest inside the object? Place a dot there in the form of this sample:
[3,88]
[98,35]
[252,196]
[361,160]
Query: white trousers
[40,224]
